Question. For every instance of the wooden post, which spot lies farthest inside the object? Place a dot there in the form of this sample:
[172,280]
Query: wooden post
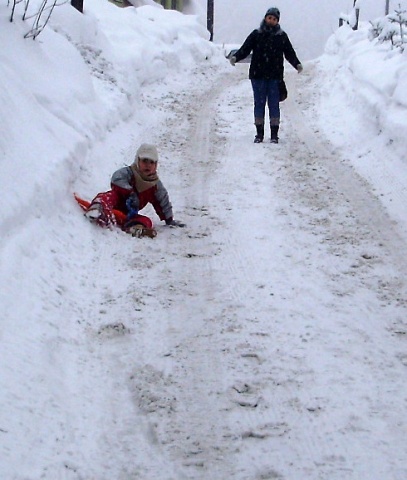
[387,7]
[356,26]
[210,18]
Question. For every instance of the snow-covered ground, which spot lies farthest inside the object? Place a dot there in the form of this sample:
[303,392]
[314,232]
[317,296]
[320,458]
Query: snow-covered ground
[267,339]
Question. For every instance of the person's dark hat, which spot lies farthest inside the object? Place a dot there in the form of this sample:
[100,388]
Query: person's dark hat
[273,11]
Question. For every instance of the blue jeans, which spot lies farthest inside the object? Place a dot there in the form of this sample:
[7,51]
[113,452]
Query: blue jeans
[266,91]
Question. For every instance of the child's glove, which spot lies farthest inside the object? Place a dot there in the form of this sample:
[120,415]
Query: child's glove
[174,223]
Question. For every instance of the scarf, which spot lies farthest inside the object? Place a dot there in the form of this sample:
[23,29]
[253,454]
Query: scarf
[142,184]
[275,30]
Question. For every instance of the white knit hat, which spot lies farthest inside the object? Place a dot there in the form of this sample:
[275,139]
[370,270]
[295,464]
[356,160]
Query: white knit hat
[147,151]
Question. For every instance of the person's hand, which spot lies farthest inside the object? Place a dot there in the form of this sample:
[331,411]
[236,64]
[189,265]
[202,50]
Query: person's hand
[175,223]
[300,68]
[232,61]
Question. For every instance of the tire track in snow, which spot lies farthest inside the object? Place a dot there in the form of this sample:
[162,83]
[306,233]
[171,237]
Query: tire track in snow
[354,187]
[191,427]
[333,204]
[262,363]
[291,400]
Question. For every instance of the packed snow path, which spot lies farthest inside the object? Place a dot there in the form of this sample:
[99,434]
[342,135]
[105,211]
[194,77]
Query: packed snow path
[280,345]
[266,340]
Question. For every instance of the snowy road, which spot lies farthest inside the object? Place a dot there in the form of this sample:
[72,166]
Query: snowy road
[273,342]
[266,340]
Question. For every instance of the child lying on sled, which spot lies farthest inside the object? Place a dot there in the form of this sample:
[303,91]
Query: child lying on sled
[132,188]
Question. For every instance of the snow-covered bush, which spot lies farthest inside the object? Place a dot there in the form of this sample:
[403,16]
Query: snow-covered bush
[391,28]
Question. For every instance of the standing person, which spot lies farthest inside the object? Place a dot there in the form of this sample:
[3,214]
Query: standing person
[269,44]
[132,188]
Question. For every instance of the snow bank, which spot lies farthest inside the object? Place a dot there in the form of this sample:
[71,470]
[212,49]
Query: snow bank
[104,57]
[378,76]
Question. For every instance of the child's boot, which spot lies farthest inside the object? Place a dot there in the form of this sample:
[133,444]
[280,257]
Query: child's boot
[95,214]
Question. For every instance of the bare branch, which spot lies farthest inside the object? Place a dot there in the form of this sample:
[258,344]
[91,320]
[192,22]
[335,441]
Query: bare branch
[44,8]
[15,2]
[38,27]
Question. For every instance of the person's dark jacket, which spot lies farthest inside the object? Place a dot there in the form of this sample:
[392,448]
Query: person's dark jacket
[269,46]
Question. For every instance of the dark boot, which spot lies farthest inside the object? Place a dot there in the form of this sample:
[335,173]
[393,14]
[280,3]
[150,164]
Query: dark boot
[274,133]
[260,134]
